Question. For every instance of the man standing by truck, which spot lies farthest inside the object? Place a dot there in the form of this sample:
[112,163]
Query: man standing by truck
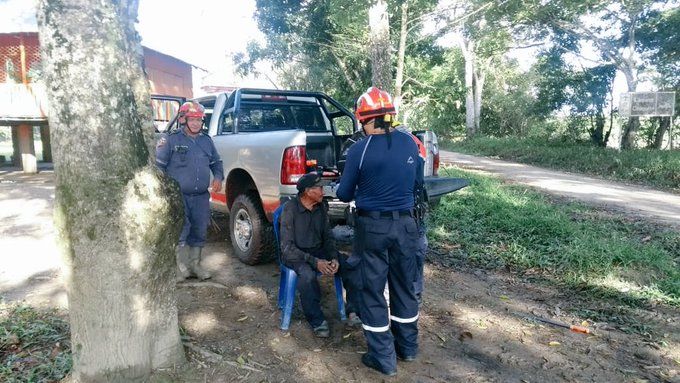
[189,156]
[381,174]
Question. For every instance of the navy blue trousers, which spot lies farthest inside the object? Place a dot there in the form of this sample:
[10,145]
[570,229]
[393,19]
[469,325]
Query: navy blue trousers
[419,283]
[388,247]
[196,219]
[308,286]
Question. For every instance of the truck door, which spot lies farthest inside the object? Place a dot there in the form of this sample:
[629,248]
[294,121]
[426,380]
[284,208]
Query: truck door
[164,109]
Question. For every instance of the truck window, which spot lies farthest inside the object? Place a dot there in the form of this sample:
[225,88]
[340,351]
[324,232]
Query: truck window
[344,126]
[228,123]
[163,112]
[265,118]
[309,118]
[206,121]
[249,120]
[273,119]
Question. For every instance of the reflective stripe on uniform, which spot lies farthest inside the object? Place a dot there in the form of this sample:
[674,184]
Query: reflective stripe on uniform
[376,329]
[404,320]
[361,162]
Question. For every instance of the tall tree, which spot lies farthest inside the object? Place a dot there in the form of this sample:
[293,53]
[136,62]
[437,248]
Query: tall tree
[413,14]
[117,217]
[483,36]
[586,91]
[318,44]
[401,56]
[381,49]
[326,44]
[659,38]
[610,27]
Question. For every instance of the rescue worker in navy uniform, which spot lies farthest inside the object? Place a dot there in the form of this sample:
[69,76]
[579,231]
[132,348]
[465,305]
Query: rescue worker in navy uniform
[381,174]
[308,246]
[189,156]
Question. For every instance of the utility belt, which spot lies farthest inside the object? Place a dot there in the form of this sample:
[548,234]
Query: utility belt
[195,194]
[394,214]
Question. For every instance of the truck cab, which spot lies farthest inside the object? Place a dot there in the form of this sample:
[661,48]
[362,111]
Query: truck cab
[267,140]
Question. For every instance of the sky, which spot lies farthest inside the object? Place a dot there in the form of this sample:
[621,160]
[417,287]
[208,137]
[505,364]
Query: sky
[203,33]
[200,32]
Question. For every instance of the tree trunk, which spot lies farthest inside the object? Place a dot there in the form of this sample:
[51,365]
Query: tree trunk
[117,217]
[468,54]
[381,62]
[597,131]
[664,125]
[628,141]
[401,54]
[479,79]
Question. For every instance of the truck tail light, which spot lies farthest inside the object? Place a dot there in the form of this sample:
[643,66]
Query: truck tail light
[293,164]
[435,164]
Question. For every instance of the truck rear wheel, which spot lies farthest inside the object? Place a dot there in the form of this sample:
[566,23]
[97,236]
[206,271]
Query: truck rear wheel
[251,234]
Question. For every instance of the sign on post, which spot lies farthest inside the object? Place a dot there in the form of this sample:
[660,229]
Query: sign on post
[650,104]
[634,104]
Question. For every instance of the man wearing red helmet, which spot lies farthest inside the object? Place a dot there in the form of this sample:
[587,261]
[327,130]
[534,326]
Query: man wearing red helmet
[381,173]
[189,156]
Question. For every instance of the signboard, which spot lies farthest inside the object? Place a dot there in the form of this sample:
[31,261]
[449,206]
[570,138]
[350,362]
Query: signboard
[647,104]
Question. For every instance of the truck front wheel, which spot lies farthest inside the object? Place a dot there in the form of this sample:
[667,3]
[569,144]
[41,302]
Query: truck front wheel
[251,234]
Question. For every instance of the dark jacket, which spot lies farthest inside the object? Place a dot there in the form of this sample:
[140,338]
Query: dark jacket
[305,232]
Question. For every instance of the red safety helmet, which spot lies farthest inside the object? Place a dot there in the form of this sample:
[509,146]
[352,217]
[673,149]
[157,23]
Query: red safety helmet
[374,103]
[190,109]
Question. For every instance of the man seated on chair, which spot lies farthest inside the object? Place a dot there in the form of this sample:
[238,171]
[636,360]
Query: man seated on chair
[308,247]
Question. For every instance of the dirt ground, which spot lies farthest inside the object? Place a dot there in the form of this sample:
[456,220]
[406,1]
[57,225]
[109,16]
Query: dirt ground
[475,325]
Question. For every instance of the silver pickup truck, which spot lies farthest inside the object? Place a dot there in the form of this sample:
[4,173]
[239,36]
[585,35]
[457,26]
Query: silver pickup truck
[268,139]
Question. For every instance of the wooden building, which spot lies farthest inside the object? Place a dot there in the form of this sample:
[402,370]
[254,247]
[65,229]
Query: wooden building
[23,100]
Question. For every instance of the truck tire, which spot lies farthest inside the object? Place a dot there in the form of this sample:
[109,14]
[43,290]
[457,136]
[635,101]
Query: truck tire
[251,234]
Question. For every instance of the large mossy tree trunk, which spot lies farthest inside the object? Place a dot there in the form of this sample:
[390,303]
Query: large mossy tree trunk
[117,217]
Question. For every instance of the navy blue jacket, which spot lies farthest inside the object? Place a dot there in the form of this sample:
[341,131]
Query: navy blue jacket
[382,178]
[189,160]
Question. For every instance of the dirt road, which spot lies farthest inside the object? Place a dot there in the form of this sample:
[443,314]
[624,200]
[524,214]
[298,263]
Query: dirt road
[475,325]
[656,205]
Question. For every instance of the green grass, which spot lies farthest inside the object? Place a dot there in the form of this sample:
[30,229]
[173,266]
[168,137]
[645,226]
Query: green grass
[34,345]
[496,225]
[656,168]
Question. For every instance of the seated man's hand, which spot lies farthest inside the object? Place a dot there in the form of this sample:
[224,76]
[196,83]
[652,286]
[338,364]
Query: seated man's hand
[335,265]
[326,267]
